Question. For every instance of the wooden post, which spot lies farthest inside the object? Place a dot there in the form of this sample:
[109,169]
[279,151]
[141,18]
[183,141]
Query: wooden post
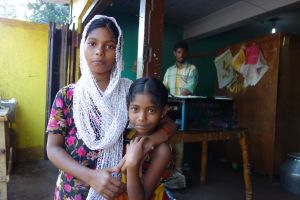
[246,166]
[203,162]
[150,38]
[74,46]
[3,157]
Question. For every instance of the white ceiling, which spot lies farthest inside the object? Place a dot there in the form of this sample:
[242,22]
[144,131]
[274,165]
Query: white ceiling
[236,15]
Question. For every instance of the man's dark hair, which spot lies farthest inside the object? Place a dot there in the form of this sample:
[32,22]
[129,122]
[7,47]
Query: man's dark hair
[182,45]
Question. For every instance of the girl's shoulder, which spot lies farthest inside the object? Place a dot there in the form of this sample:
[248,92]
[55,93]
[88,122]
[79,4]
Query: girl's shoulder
[66,92]
[68,88]
[126,82]
[164,148]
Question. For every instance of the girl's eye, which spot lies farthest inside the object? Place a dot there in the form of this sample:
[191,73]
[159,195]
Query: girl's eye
[92,44]
[152,110]
[134,109]
[111,46]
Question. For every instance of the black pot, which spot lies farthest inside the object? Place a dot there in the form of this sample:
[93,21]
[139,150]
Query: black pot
[290,173]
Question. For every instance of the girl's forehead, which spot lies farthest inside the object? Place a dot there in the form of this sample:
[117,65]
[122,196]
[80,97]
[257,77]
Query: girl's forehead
[101,33]
[143,98]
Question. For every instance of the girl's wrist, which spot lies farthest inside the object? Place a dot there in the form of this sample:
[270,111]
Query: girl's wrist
[148,145]
[88,175]
[133,166]
[132,163]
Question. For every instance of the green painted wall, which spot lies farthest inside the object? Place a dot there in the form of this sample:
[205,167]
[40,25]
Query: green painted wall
[23,68]
[172,35]
[129,25]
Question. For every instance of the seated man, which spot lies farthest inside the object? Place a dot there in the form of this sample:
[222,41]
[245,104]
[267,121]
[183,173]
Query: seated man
[181,80]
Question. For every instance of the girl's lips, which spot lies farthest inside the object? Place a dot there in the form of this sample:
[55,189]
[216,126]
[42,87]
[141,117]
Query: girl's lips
[141,127]
[98,62]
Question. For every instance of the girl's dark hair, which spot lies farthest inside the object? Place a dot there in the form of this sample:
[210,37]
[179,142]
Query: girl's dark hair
[152,86]
[103,23]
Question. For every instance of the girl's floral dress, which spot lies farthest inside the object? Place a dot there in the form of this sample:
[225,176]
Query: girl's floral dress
[61,122]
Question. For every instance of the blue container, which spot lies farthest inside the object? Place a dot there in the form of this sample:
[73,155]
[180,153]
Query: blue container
[290,173]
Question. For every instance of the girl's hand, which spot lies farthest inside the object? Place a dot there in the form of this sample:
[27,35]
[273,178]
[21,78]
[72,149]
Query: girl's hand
[146,148]
[135,151]
[121,167]
[103,183]
[148,145]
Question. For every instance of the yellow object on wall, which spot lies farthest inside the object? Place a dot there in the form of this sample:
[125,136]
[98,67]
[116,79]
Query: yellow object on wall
[23,72]
[79,9]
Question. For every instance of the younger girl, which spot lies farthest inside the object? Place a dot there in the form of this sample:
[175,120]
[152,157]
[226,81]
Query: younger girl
[147,104]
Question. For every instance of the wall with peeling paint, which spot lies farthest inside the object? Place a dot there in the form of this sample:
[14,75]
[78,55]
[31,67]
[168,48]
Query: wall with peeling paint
[23,69]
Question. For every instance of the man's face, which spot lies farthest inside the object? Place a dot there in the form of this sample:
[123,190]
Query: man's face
[180,55]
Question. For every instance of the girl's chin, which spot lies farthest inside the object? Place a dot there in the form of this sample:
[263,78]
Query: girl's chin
[143,132]
[101,72]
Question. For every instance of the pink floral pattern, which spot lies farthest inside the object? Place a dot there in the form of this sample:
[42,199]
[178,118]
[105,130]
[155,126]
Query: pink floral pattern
[61,122]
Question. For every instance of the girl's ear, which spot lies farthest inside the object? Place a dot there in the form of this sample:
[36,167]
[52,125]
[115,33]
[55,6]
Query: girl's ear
[164,111]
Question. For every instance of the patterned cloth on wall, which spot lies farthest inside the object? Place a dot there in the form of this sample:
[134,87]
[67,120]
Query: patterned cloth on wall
[224,69]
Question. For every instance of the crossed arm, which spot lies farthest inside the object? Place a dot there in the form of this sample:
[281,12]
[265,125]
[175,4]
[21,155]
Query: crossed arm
[141,186]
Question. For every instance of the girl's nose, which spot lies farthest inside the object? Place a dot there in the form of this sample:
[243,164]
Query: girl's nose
[142,116]
[100,51]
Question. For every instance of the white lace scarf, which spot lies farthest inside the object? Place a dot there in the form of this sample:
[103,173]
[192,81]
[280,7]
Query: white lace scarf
[101,117]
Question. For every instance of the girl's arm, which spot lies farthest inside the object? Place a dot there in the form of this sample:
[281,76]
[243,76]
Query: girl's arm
[143,187]
[100,180]
[134,156]
[159,161]
[166,129]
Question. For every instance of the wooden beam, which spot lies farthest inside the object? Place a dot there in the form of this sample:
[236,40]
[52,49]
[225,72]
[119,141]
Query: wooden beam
[82,14]
[96,8]
[150,38]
